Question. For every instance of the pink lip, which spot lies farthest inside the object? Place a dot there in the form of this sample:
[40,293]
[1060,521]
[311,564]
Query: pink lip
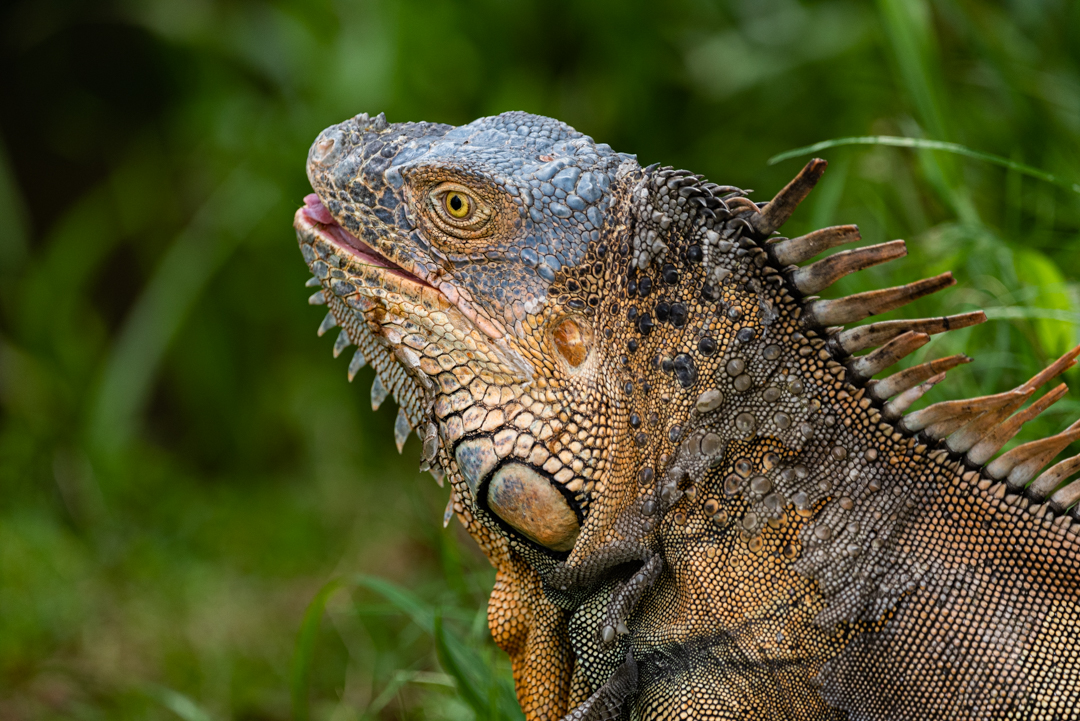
[315,210]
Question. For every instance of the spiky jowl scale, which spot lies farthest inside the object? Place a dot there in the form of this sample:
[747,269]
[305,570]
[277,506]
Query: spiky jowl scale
[697,499]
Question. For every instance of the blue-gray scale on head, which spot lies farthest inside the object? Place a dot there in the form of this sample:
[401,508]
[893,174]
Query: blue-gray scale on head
[556,181]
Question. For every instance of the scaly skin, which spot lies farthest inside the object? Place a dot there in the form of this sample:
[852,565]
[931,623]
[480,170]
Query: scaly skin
[698,503]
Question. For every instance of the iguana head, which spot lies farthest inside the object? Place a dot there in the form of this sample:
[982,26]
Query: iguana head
[445,254]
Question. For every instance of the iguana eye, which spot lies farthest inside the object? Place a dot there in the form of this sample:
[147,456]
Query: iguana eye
[457,204]
[458,210]
[460,218]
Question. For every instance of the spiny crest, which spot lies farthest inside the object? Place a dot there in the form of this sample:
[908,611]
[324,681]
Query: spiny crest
[977,428]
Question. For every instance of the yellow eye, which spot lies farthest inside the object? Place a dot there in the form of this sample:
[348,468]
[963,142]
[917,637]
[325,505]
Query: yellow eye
[457,204]
[458,211]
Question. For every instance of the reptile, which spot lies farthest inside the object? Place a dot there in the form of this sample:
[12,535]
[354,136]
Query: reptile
[700,482]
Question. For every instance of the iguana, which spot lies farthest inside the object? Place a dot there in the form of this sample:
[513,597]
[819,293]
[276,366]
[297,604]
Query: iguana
[699,500]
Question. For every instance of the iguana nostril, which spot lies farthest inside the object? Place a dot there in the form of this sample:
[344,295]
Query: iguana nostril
[532,505]
[322,148]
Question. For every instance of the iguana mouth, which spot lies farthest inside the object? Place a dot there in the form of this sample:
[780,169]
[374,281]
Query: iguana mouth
[316,218]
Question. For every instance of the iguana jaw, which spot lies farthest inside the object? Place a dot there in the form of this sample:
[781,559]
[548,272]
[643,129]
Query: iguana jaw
[373,299]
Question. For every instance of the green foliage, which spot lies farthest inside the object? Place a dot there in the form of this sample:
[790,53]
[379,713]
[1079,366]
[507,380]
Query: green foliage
[183,467]
[468,664]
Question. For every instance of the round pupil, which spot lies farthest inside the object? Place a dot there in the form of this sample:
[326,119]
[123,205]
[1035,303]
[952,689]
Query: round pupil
[455,202]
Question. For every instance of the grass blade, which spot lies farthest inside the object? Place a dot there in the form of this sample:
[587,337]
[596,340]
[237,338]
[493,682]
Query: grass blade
[128,376]
[305,649]
[180,704]
[924,144]
[489,696]
[452,659]
[419,612]
[1018,312]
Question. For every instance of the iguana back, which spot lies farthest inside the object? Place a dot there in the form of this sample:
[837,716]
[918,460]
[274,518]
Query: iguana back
[699,501]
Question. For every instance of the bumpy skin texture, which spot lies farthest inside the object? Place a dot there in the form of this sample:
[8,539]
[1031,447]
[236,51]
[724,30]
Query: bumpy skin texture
[698,502]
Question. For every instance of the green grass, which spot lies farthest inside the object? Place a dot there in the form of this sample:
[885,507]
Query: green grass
[198,516]
[471,669]
[924,144]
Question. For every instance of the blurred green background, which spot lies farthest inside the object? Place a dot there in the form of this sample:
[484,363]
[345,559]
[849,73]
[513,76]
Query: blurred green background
[183,467]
